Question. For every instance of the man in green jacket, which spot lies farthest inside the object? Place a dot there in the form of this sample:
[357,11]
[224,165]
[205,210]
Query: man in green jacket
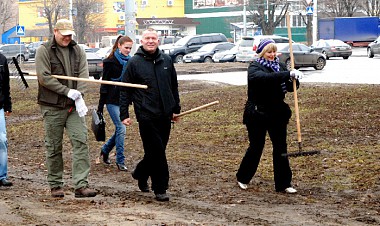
[62,106]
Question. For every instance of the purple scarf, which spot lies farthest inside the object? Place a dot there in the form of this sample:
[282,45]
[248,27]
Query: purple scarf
[274,65]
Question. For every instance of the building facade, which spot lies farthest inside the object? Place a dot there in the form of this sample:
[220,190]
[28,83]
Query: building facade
[223,15]
[169,17]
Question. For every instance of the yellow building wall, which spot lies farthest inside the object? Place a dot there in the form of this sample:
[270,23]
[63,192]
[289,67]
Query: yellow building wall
[160,9]
[153,8]
[28,15]
[111,17]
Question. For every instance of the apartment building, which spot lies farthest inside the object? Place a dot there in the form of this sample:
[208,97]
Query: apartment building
[166,16]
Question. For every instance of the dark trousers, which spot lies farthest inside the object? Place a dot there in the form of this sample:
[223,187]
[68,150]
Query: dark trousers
[155,136]
[256,133]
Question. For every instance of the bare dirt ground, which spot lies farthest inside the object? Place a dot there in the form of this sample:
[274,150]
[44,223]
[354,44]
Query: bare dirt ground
[340,186]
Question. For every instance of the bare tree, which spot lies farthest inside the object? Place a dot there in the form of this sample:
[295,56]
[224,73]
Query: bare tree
[264,13]
[308,21]
[371,7]
[52,12]
[6,14]
[86,18]
[341,8]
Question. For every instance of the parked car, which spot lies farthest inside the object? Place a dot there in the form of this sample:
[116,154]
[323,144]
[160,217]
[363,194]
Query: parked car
[32,47]
[87,48]
[247,54]
[191,43]
[15,50]
[205,53]
[169,39]
[225,56]
[95,65]
[373,48]
[304,56]
[245,51]
[104,52]
[332,48]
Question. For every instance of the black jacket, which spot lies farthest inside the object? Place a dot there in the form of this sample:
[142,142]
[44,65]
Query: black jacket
[161,99]
[5,97]
[110,94]
[266,92]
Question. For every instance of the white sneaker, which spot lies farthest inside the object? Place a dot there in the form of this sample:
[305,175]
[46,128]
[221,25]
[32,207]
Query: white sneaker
[242,186]
[290,190]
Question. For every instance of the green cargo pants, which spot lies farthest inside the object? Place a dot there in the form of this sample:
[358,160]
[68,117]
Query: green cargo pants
[55,121]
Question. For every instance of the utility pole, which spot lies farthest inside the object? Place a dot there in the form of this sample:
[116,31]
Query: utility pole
[71,10]
[315,20]
[245,18]
[130,22]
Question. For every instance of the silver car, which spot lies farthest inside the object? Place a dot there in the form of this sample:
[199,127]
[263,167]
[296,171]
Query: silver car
[332,48]
[373,48]
[19,51]
[248,46]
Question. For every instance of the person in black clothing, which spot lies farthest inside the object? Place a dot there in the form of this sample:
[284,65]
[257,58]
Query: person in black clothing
[114,66]
[5,110]
[265,110]
[154,107]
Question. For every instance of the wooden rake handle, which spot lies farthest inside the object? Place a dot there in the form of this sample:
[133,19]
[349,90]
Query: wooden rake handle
[197,108]
[98,81]
[296,110]
[101,81]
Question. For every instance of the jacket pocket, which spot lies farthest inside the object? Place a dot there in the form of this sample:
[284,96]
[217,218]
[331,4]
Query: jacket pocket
[47,96]
[57,67]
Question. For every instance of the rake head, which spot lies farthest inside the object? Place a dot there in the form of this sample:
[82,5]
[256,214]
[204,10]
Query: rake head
[15,70]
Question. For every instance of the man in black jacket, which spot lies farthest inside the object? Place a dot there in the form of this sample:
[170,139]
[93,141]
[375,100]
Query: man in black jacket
[5,110]
[154,107]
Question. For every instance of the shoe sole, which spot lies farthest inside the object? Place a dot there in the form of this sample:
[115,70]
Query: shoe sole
[162,200]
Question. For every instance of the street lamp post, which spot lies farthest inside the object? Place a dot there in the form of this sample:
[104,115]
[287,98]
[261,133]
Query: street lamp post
[245,18]
[130,22]
[315,20]
[71,11]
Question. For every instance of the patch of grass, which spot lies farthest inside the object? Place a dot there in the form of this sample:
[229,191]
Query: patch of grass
[340,120]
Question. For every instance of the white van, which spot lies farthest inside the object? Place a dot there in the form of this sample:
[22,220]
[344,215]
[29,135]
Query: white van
[108,41]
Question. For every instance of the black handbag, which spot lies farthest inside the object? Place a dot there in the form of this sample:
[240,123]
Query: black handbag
[98,126]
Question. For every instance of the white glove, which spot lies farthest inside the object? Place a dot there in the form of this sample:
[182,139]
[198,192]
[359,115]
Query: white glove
[74,94]
[81,107]
[295,74]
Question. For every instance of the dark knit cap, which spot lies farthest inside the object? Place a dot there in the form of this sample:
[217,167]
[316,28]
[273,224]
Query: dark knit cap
[264,43]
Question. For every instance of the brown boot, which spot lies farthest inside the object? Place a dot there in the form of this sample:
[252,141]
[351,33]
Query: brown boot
[84,192]
[57,192]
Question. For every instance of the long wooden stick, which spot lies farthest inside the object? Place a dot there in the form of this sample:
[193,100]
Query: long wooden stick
[197,108]
[294,83]
[97,81]
[101,81]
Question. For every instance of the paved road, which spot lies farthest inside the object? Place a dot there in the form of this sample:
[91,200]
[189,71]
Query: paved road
[358,69]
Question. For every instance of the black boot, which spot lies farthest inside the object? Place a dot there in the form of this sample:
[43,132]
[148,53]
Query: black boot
[105,158]
[143,184]
[5,183]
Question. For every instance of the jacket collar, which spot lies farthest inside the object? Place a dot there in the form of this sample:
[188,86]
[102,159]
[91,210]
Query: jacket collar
[157,56]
